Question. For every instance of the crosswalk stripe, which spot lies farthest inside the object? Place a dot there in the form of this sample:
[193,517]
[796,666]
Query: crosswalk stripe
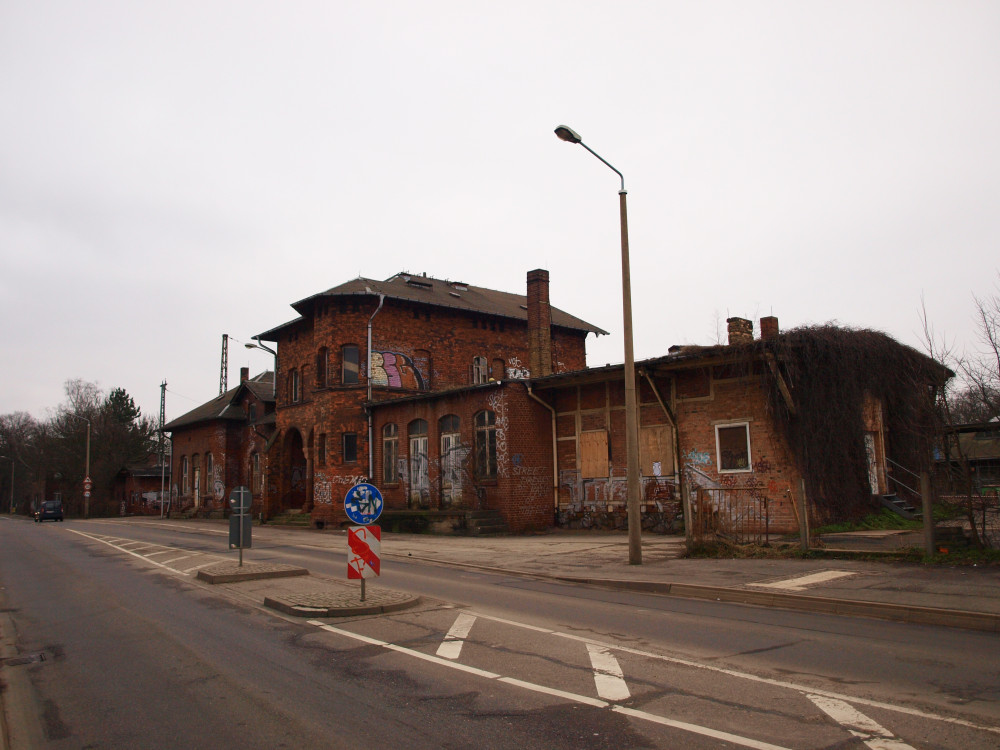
[451,648]
[608,676]
[865,729]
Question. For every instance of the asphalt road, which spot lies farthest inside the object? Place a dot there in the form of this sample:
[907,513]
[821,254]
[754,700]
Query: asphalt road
[119,653]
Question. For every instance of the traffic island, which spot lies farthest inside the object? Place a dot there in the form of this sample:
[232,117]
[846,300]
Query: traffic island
[340,602]
[231,572]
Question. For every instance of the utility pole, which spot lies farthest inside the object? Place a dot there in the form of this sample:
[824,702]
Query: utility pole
[224,374]
[163,414]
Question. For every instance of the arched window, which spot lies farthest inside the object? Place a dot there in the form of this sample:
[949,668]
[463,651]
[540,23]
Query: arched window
[419,473]
[293,386]
[185,476]
[209,472]
[451,460]
[390,454]
[349,365]
[486,445]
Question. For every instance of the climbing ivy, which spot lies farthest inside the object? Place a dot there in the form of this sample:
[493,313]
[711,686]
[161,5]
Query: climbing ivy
[829,370]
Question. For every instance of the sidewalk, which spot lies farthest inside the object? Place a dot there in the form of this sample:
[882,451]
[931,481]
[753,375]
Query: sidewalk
[956,596]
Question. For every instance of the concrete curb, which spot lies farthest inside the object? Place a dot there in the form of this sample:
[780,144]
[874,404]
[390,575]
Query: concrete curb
[299,610]
[985,621]
[250,574]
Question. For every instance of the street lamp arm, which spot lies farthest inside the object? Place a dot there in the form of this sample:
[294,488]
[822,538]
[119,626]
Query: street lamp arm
[620,175]
[569,135]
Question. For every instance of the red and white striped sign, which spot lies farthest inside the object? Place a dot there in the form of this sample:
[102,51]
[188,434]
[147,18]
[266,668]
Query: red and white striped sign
[364,551]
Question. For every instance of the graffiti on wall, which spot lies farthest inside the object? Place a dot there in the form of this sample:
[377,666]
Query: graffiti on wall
[322,493]
[532,482]
[516,370]
[218,484]
[498,402]
[395,370]
[699,458]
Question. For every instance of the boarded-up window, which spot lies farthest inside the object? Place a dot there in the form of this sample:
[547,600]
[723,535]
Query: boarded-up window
[593,454]
[656,450]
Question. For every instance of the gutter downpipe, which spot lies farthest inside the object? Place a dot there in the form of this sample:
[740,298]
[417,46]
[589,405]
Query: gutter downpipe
[685,500]
[368,377]
[555,452]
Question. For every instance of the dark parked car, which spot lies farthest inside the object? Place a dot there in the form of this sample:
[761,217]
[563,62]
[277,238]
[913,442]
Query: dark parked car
[51,509]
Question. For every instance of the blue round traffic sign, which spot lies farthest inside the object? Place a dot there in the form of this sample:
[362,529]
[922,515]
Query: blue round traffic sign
[363,504]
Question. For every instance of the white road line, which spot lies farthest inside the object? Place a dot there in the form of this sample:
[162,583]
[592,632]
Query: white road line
[586,700]
[451,648]
[803,582]
[865,729]
[126,551]
[726,736]
[164,552]
[198,567]
[608,676]
[175,559]
[804,689]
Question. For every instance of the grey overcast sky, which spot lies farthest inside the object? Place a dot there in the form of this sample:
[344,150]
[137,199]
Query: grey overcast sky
[174,171]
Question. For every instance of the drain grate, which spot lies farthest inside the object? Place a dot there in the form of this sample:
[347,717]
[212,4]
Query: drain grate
[17,661]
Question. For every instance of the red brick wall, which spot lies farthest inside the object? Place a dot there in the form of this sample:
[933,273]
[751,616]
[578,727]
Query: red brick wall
[439,344]
[699,402]
[522,490]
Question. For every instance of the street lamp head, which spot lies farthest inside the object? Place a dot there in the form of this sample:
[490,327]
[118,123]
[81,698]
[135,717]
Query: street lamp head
[250,346]
[568,134]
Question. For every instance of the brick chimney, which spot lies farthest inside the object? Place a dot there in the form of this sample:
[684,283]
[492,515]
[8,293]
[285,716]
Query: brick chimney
[244,374]
[740,331]
[539,324]
[769,328]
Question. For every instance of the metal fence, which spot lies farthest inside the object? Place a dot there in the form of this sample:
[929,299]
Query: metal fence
[739,515]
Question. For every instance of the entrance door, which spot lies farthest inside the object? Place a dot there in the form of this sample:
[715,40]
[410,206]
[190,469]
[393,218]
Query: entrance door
[197,487]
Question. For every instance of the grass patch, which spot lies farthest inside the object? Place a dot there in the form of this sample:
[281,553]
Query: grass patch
[884,520]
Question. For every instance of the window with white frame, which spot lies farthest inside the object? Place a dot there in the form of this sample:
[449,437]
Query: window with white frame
[732,447]
[185,476]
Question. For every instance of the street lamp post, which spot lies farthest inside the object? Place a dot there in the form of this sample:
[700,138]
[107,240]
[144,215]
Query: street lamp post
[257,345]
[86,475]
[631,414]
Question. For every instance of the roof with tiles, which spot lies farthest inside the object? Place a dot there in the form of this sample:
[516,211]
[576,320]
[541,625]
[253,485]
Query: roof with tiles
[422,289]
[227,405]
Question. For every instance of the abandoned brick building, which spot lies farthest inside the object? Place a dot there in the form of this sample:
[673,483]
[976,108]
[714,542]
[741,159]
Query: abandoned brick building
[223,444]
[459,402]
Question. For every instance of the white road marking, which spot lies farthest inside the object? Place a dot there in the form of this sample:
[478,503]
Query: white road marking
[726,736]
[608,676]
[865,729]
[164,552]
[127,551]
[198,567]
[175,559]
[803,582]
[587,700]
[451,648]
[804,689]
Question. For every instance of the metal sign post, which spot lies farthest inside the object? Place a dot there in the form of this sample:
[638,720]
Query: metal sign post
[239,520]
[363,505]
